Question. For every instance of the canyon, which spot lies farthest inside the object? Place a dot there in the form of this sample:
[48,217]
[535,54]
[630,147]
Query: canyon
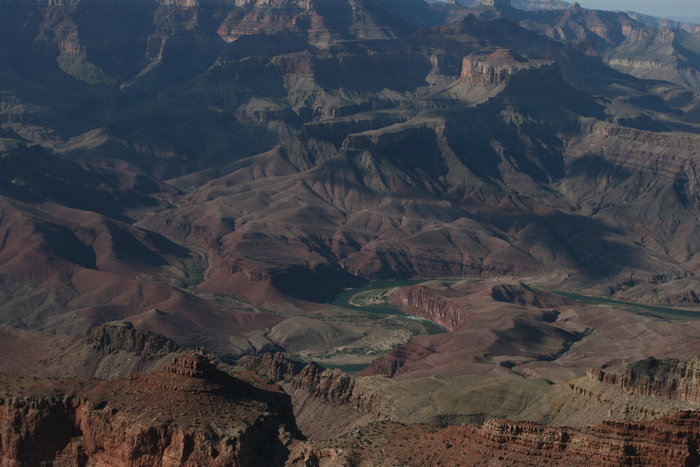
[192,413]
[347,232]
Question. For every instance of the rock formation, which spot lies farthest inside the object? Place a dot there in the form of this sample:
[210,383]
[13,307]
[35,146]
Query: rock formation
[108,351]
[493,69]
[185,164]
[646,47]
[333,385]
[669,442]
[335,173]
[188,414]
[421,301]
[540,4]
[191,366]
[449,309]
[524,295]
[320,396]
[496,3]
[122,336]
[668,378]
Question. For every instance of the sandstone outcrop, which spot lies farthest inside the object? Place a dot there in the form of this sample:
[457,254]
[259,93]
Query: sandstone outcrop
[320,396]
[668,378]
[122,336]
[446,309]
[108,351]
[669,442]
[421,301]
[333,385]
[187,414]
[493,69]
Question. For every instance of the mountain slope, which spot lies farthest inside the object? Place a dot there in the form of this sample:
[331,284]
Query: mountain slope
[241,150]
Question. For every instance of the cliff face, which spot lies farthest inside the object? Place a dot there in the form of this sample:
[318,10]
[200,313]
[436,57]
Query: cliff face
[153,31]
[109,351]
[187,414]
[421,301]
[493,69]
[393,363]
[665,54]
[191,414]
[322,22]
[332,385]
[327,402]
[540,4]
[645,47]
[122,336]
[669,378]
[453,315]
[670,441]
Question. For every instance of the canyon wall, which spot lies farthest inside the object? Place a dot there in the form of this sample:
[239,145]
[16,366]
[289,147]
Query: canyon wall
[327,402]
[669,378]
[188,414]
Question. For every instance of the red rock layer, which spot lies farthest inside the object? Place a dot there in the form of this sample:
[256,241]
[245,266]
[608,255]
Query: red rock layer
[421,301]
[494,69]
[669,442]
[670,378]
[189,414]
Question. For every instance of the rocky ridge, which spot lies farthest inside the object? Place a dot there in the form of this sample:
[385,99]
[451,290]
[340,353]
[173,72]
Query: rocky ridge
[334,385]
[668,378]
[524,295]
[320,396]
[444,307]
[493,69]
[108,351]
[343,177]
[113,350]
[422,302]
[669,442]
[122,336]
[187,414]
[644,47]
[191,413]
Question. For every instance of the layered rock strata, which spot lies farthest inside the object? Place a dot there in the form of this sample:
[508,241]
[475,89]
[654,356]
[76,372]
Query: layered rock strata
[187,414]
[670,441]
[495,68]
[327,402]
[668,378]
[333,385]
[421,301]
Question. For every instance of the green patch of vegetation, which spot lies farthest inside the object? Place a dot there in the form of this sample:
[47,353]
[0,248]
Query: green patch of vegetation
[196,277]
